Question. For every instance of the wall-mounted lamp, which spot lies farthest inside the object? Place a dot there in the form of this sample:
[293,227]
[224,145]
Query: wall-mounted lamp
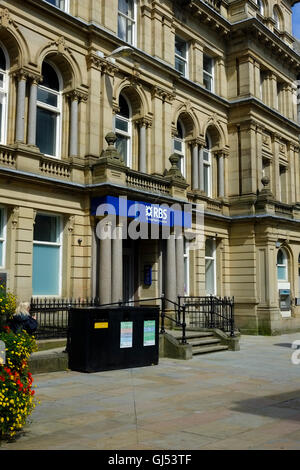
[122,51]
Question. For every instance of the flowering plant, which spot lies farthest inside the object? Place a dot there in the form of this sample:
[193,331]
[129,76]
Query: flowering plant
[16,394]
[8,304]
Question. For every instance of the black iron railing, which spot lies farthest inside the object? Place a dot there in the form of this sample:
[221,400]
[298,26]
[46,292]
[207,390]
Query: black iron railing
[209,312]
[53,315]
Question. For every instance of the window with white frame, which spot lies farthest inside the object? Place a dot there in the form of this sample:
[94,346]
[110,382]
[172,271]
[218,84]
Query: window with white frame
[282,266]
[123,130]
[49,111]
[208,72]
[179,147]
[47,252]
[186,262]
[207,167]
[2,236]
[62,4]
[261,7]
[181,56]
[127,21]
[3,94]
[210,266]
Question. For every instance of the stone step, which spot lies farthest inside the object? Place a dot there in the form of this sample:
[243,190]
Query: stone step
[191,335]
[203,341]
[209,349]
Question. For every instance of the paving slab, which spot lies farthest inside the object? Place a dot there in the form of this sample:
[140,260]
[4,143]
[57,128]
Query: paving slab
[247,399]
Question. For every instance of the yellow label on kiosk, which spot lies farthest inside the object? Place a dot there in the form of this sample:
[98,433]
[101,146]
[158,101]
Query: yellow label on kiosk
[101,325]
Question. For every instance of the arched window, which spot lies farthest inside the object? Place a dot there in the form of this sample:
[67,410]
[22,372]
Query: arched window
[207,167]
[3,94]
[261,7]
[49,111]
[123,129]
[276,17]
[179,146]
[282,265]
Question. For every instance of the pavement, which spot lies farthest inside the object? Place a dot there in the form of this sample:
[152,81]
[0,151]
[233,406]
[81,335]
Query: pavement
[247,399]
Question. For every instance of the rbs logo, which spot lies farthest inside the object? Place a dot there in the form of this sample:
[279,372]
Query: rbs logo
[156,212]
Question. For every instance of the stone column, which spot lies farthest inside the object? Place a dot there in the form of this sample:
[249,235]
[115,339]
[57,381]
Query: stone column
[179,265]
[201,175]
[20,117]
[105,268]
[221,175]
[170,292]
[142,147]
[117,265]
[74,125]
[32,112]
[195,167]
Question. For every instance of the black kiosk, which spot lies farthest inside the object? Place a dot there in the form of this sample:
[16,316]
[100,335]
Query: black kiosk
[107,338]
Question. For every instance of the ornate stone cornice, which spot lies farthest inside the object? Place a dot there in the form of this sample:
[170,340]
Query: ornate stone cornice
[77,95]
[101,64]
[26,74]
[6,20]
[61,45]
[144,121]
[162,94]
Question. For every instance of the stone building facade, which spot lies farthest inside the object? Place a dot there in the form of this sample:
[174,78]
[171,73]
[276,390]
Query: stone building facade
[203,111]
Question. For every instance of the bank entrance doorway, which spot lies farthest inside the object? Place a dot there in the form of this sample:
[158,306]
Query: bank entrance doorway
[129,269]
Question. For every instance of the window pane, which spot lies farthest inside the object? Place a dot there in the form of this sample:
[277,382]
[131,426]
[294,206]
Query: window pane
[121,125]
[180,65]
[126,7]
[206,179]
[1,80]
[121,146]
[47,97]
[207,64]
[280,257]
[129,34]
[57,3]
[50,78]
[180,47]
[180,163]
[281,273]
[2,60]
[1,253]
[122,27]
[209,248]
[124,108]
[45,275]
[46,131]
[205,155]
[177,145]
[46,228]
[207,81]
[209,276]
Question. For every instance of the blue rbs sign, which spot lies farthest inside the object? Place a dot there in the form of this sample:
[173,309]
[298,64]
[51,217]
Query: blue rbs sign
[162,214]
